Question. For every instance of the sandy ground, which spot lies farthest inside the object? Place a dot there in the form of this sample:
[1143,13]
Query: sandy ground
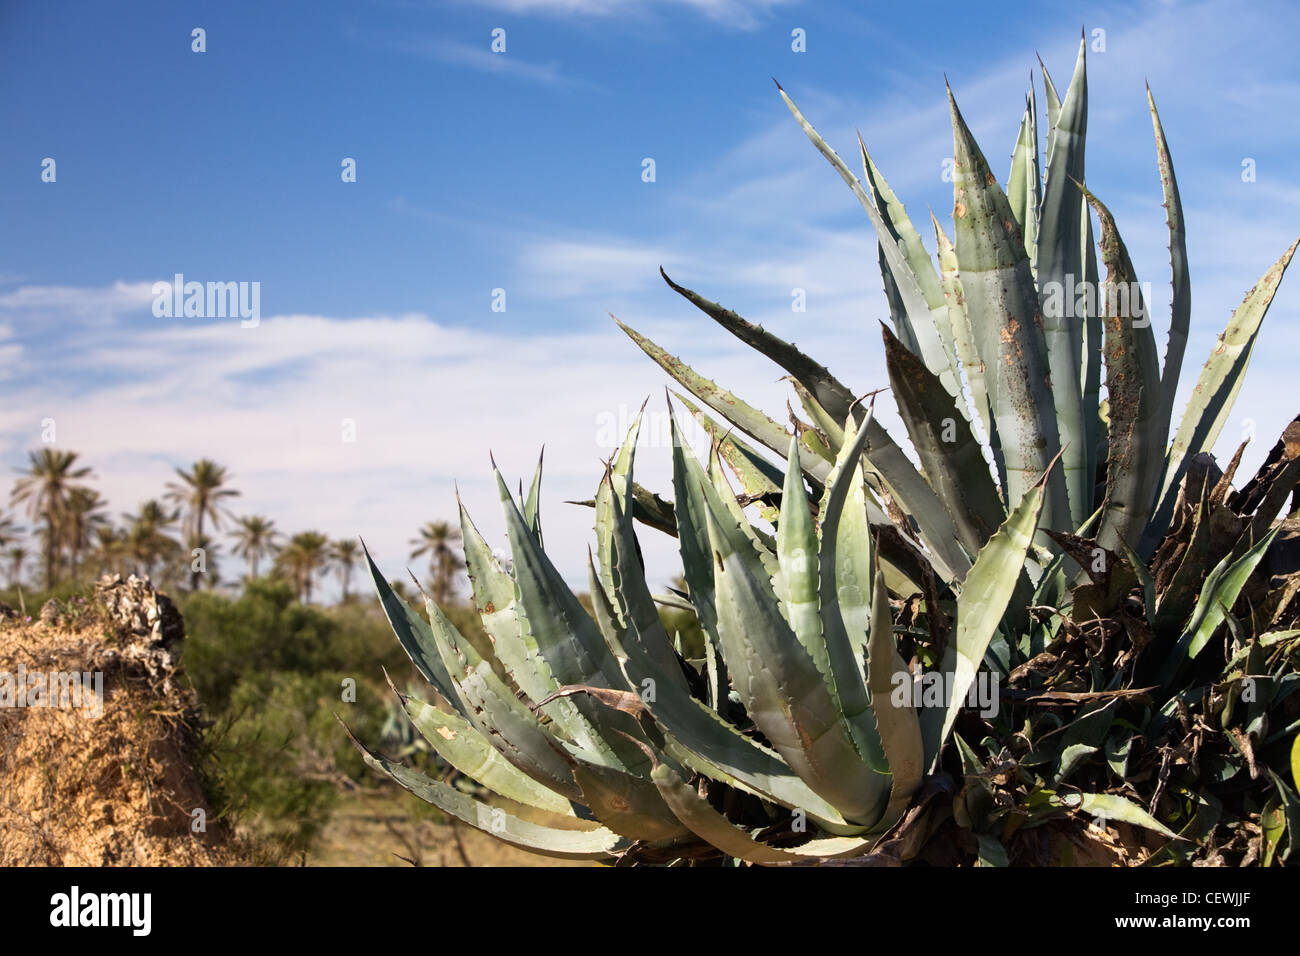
[372,828]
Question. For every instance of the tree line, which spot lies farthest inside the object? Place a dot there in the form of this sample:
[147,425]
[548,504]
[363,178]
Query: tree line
[173,538]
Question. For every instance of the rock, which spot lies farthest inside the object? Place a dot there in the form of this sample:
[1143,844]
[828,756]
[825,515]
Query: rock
[50,613]
[148,625]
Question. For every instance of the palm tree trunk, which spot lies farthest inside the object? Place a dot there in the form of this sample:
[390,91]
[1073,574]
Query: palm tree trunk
[198,537]
[49,551]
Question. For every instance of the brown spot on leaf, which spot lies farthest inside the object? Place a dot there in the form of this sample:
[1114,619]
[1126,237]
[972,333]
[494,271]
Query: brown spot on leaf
[959,209]
[446,733]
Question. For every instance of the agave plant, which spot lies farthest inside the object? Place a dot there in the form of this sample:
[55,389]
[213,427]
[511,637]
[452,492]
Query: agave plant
[1066,547]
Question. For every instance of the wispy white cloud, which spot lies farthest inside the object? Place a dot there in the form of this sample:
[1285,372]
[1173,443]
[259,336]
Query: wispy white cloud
[481,58]
[739,14]
[104,300]
[427,401]
[769,215]
[596,267]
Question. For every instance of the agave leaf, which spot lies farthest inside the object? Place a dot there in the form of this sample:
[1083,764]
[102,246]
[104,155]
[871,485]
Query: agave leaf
[831,428]
[1181,303]
[605,614]
[796,549]
[1215,392]
[595,844]
[1083,737]
[905,280]
[814,376]
[506,623]
[845,559]
[504,620]
[1095,447]
[717,748]
[950,456]
[1106,806]
[1295,761]
[1060,266]
[1000,291]
[1024,187]
[1276,481]
[565,635]
[780,687]
[845,553]
[508,722]
[713,746]
[716,830]
[531,503]
[1053,108]
[1218,594]
[900,729]
[914,495]
[645,627]
[647,508]
[463,746]
[740,414]
[691,506]
[630,806]
[933,337]
[720,751]
[967,353]
[759,478]
[1143,574]
[1280,813]
[991,851]
[762,545]
[414,634]
[604,503]
[980,608]
[1133,387]
[568,638]
[906,485]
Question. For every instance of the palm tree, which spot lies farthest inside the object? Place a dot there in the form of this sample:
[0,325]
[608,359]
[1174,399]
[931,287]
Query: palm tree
[255,538]
[306,553]
[147,541]
[436,539]
[345,554]
[10,534]
[17,558]
[111,549]
[45,488]
[10,531]
[211,549]
[200,493]
[85,515]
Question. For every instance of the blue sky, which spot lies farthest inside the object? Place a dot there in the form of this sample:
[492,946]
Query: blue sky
[522,171]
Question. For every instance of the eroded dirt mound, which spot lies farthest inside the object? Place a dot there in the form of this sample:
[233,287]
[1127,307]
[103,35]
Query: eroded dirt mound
[98,740]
